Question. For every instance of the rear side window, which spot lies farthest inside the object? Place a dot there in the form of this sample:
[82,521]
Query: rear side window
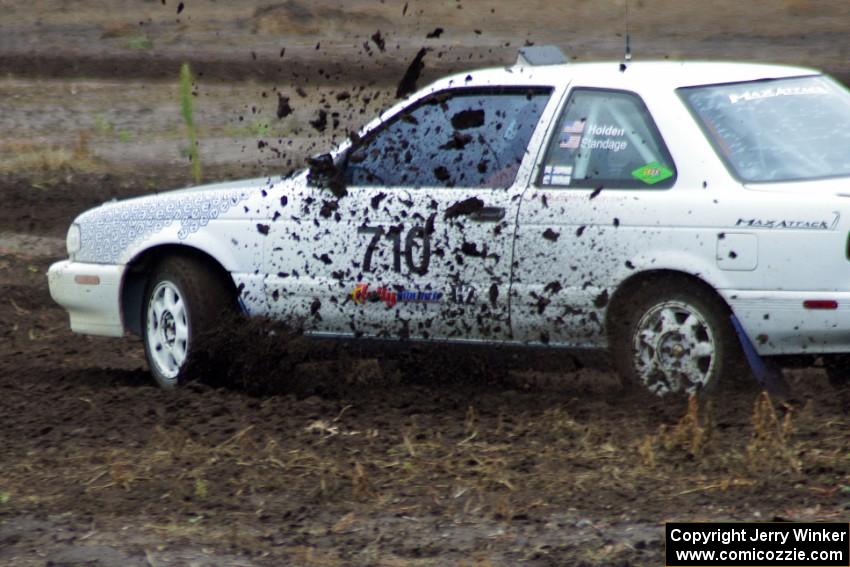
[607,139]
[457,138]
[777,130]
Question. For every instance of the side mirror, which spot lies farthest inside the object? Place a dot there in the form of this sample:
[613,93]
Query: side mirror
[324,173]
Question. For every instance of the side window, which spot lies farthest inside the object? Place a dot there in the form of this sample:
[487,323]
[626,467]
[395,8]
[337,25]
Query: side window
[458,138]
[608,139]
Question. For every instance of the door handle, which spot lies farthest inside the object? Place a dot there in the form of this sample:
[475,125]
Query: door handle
[488,214]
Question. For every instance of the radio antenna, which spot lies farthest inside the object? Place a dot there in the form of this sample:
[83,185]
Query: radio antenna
[627,57]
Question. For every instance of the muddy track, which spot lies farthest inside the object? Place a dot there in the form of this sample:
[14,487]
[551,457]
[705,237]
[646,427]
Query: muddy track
[344,457]
[325,71]
[312,71]
[283,451]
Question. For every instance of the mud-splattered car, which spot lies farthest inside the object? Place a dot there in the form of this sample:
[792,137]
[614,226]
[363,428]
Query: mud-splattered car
[631,207]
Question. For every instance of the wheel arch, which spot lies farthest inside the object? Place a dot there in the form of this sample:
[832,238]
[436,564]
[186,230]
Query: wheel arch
[139,269]
[620,297]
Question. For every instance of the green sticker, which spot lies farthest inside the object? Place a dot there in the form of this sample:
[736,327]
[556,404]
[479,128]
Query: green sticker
[652,173]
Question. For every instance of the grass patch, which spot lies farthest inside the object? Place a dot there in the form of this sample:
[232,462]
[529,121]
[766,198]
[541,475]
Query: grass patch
[102,126]
[258,128]
[140,42]
[38,160]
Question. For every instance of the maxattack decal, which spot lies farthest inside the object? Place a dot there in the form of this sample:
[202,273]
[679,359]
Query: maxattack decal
[787,224]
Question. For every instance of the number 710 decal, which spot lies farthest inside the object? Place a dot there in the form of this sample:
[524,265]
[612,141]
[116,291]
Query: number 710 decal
[417,236]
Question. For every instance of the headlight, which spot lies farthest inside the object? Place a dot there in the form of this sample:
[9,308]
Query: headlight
[73,240]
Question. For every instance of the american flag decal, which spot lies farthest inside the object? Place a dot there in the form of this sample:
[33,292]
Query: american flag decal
[570,142]
[576,127]
[571,135]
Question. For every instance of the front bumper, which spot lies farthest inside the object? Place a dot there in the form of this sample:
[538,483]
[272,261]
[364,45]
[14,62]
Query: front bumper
[90,293]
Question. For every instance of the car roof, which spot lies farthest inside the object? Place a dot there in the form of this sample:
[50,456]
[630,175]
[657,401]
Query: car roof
[660,74]
[639,76]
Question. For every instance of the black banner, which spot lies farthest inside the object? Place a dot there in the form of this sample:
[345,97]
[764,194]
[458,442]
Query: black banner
[758,544]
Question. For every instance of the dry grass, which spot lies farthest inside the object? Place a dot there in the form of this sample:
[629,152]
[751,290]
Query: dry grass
[693,431]
[770,449]
[494,468]
[688,437]
[722,463]
[42,160]
[477,473]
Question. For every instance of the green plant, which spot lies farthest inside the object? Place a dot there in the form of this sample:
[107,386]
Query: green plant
[186,110]
[102,125]
[259,128]
[201,488]
[123,135]
[139,42]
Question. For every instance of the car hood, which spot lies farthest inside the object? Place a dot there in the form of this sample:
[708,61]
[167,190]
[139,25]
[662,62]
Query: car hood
[107,231]
[151,206]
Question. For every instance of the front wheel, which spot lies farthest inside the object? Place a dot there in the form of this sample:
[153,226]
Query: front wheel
[183,298]
[674,338]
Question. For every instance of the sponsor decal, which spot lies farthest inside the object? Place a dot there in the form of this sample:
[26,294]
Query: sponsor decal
[748,96]
[362,294]
[463,294]
[603,137]
[557,175]
[609,144]
[607,130]
[652,173]
[409,296]
[787,224]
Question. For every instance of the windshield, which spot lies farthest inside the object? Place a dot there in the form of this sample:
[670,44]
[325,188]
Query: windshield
[777,130]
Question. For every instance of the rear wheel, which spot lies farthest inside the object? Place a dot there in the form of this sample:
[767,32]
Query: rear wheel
[183,299]
[674,337]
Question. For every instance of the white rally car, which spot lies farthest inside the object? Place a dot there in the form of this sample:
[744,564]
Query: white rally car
[634,208]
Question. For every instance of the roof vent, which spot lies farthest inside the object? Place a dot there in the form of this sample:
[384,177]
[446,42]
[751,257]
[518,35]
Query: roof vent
[541,55]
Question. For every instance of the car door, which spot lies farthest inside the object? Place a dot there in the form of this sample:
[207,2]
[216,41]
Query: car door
[599,195]
[420,244]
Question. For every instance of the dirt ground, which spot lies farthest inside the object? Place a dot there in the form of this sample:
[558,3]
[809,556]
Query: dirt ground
[323,40]
[318,454]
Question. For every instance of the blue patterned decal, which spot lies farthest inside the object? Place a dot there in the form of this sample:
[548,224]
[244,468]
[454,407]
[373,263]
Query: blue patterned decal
[111,229]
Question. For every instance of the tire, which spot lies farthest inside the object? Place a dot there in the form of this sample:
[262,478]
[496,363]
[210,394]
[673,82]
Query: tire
[674,337]
[183,299]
